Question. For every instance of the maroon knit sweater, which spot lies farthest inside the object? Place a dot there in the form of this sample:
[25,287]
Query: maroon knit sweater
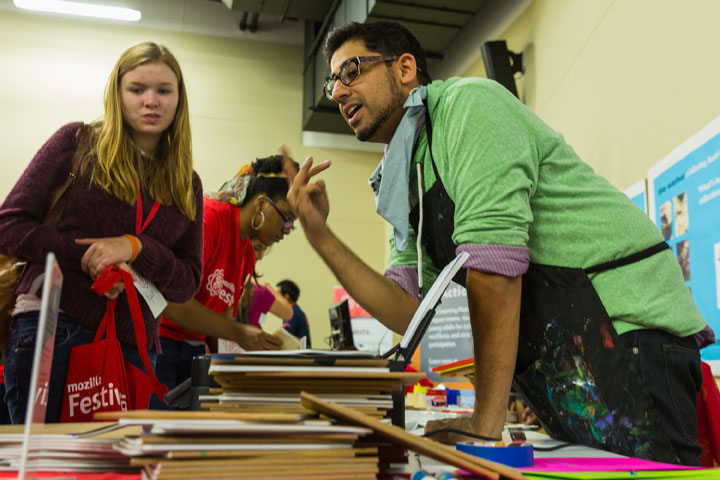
[171,256]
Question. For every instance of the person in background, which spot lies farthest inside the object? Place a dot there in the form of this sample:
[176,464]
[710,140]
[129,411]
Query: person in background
[298,324]
[135,201]
[263,298]
[248,212]
[246,299]
[595,327]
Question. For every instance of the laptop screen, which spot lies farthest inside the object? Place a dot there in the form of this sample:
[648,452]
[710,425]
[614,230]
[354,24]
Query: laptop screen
[340,327]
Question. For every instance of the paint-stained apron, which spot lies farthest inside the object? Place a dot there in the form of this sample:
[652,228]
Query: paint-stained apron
[570,369]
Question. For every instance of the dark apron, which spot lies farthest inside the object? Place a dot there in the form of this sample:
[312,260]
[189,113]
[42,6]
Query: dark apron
[571,369]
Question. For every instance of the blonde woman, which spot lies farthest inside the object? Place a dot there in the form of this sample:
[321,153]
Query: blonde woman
[136,201]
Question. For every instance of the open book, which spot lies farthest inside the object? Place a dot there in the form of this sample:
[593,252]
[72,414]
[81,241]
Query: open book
[289,341]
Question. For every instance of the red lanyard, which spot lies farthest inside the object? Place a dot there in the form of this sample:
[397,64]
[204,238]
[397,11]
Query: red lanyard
[139,225]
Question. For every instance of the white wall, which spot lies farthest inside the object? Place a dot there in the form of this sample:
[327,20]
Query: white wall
[624,81]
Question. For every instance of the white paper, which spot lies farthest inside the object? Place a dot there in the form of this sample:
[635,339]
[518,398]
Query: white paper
[293,368]
[238,426]
[150,293]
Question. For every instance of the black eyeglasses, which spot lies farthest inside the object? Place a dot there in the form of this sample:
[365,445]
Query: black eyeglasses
[350,70]
[287,223]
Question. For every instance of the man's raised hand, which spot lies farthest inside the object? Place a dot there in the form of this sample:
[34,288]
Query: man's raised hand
[307,199]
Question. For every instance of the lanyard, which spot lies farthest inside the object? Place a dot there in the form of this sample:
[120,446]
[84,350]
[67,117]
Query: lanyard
[139,225]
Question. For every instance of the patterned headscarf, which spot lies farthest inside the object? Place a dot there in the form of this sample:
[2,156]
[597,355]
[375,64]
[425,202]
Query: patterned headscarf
[234,190]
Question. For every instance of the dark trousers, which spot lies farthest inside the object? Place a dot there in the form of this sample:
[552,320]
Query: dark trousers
[174,365]
[669,367]
[19,362]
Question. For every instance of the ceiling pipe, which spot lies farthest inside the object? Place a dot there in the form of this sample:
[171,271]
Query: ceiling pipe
[321,33]
[284,11]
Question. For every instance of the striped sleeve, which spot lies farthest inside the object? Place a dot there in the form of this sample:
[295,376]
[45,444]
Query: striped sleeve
[508,260]
[407,277]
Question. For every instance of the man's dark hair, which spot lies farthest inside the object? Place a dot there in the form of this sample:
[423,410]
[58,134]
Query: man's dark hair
[288,287]
[386,38]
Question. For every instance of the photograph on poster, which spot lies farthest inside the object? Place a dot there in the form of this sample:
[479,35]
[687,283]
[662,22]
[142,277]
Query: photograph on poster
[683,256]
[666,220]
[681,214]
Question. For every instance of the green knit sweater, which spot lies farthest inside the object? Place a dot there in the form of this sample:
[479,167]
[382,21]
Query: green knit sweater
[515,181]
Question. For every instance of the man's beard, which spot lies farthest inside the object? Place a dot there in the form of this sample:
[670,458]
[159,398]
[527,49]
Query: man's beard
[396,101]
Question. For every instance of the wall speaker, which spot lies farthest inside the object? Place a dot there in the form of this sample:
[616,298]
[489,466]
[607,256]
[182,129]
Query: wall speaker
[501,64]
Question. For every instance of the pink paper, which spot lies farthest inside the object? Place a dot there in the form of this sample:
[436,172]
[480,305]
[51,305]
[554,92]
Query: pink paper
[612,464]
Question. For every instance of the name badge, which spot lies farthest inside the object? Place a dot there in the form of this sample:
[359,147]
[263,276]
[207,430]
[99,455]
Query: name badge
[150,293]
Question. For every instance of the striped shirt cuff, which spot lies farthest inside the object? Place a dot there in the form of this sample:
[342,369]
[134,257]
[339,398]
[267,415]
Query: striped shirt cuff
[705,337]
[407,277]
[508,260]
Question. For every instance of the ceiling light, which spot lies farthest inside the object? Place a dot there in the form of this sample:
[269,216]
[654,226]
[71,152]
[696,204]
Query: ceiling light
[82,9]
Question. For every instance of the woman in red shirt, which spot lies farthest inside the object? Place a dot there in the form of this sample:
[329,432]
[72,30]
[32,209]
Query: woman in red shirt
[250,208]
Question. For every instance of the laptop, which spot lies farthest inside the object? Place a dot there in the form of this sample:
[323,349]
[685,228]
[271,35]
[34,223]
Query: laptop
[341,334]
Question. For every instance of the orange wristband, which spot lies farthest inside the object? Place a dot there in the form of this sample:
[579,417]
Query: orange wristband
[135,246]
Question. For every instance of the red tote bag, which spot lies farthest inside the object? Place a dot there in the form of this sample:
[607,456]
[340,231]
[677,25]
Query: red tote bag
[98,378]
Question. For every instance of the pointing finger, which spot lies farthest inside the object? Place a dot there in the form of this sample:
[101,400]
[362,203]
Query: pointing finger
[85,241]
[319,168]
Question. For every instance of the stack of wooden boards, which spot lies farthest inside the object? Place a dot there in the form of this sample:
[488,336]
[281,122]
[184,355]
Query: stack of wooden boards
[54,448]
[264,383]
[221,445]
[218,445]
[251,384]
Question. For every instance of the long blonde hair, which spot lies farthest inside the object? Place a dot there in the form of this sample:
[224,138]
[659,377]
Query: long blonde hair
[168,175]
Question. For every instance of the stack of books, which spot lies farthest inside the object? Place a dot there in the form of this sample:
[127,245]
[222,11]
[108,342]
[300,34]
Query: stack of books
[216,445]
[272,382]
[53,449]
[254,383]
[325,444]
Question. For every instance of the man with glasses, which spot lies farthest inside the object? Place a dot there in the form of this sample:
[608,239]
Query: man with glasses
[574,298]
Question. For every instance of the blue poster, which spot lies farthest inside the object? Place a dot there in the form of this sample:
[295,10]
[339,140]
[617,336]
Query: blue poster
[684,202]
[637,194]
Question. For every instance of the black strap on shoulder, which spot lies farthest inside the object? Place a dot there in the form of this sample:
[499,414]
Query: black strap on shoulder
[428,128]
[635,257]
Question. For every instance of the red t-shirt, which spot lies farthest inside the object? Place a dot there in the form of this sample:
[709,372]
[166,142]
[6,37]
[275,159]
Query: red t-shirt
[228,262]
